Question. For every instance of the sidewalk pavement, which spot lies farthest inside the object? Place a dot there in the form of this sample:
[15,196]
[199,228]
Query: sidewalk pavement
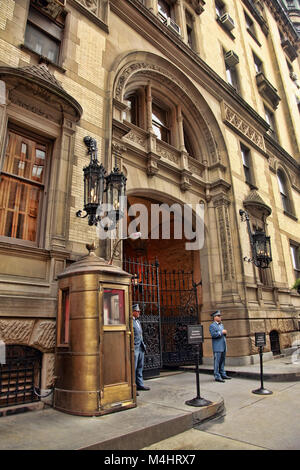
[161,413]
[283,368]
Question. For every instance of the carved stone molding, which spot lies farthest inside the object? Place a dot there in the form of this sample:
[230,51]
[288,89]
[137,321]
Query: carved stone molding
[92,5]
[221,204]
[185,183]
[234,120]
[152,164]
[168,154]
[197,5]
[136,138]
[27,103]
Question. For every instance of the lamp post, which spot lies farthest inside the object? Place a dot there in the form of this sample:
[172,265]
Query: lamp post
[97,184]
[260,244]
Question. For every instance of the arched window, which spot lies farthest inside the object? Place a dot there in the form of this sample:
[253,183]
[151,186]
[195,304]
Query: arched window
[160,122]
[148,108]
[283,189]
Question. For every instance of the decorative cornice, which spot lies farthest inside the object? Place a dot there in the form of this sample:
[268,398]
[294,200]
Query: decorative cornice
[242,127]
[42,83]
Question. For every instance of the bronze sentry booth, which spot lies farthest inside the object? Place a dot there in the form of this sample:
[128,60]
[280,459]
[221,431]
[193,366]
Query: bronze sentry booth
[95,352]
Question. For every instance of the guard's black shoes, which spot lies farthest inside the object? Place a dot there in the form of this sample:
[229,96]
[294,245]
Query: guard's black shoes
[143,388]
[220,380]
[226,377]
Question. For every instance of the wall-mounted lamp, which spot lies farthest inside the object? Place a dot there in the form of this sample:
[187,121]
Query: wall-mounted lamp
[96,185]
[260,244]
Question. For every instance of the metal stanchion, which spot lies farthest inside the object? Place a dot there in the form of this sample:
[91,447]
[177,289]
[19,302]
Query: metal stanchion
[260,341]
[195,336]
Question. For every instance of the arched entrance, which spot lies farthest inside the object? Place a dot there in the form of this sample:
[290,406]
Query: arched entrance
[165,278]
[275,343]
[19,375]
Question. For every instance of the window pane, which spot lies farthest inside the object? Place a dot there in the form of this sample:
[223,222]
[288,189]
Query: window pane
[113,306]
[20,200]
[42,44]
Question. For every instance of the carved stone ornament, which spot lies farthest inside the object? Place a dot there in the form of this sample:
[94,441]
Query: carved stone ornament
[221,203]
[91,5]
[197,5]
[231,117]
[136,138]
[51,7]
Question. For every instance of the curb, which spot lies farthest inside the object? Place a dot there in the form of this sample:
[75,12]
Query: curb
[144,437]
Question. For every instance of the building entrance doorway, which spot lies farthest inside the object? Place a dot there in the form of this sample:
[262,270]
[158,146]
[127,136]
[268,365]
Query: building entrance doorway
[166,283]
[275,343]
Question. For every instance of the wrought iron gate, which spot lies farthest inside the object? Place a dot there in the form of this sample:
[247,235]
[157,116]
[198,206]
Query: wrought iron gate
[179,308]
[168,303]
[145,292]
[19,375]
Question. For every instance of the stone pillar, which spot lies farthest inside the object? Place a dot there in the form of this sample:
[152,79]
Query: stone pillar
[63,162]
[3,118]
[180,129]
[180,18]
[149,108]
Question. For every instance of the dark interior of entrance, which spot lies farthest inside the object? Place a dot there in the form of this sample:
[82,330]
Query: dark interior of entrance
[165,276]
[20,375]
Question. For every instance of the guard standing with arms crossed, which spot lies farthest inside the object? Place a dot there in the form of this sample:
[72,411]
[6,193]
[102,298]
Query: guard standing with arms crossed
[139,349]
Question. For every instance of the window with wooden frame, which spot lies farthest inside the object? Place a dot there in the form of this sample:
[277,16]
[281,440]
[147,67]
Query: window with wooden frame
[114,306]
[165,9]
[189,21]
[22,186]
[250,25]
[295,254]
[160,122]
[232,77]
[132,114]
[63,321]
[270,118]
[44,34]
[246,159]
[284,192]
[258,65]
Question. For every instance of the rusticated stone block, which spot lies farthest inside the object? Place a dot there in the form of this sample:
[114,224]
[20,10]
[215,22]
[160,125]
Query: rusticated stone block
[43,336]
[16,331]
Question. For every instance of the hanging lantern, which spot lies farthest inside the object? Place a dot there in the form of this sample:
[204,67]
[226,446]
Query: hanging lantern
[260,244]
[94,177]
[116,189]
[261,249]
[96,184]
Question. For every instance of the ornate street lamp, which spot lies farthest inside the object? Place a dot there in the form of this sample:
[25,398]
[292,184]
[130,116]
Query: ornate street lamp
[96,184]
[116,189]
[260,244]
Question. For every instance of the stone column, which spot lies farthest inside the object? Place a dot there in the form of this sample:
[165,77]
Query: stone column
[60,192]
[3,118]
[149,107]
[180,18]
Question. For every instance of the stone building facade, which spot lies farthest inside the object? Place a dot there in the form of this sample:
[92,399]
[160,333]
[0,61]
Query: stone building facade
[198,102]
